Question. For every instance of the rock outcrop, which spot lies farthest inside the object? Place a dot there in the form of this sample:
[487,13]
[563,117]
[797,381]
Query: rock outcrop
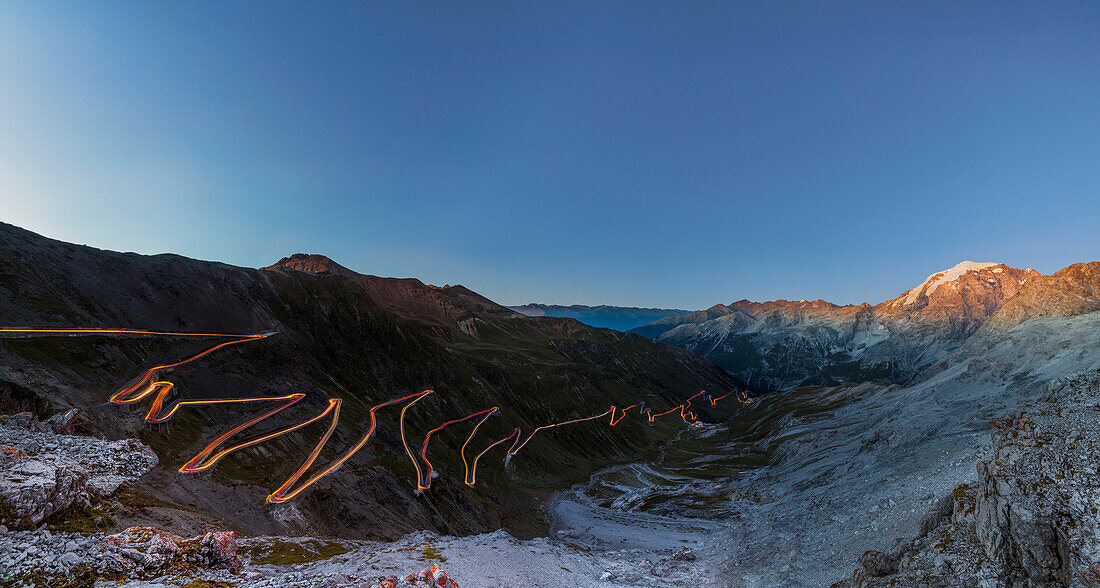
[946,552]
[432,577]
[44,558]
[1039,493]
[145,550]
[44,472]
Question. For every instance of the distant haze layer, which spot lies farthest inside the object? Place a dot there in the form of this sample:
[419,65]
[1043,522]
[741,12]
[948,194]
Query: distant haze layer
[620,318]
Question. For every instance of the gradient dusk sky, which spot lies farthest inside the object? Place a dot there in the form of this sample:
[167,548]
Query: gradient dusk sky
[638,153]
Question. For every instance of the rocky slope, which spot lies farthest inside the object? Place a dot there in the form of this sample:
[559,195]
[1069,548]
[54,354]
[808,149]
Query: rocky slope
[82,545]
[43,473]
[333,340]
[781,344]
[834,471]
[1031,518]
[1072,291]
[620,318]
[145,557]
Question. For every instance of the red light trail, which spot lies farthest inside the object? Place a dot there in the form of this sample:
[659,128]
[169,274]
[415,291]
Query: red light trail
[147,386]
[427,480]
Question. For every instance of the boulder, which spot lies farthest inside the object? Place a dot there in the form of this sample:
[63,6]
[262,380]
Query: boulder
[141,550]
[212,550]
[145,550]
[432,577]
[62,422]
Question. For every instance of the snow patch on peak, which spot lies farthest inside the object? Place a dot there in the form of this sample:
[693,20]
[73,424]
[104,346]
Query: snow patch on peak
[929,285]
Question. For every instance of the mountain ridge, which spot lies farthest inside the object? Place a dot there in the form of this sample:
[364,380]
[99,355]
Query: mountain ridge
[783,343]
[333,340]
[409,297]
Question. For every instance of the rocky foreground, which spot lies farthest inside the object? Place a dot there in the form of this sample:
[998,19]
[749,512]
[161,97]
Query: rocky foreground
[143,556]
[1029,517]
[1032,518]
[50,479]
[43,472]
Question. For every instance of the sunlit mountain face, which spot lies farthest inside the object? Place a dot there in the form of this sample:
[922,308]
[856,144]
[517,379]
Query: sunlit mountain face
[784,343]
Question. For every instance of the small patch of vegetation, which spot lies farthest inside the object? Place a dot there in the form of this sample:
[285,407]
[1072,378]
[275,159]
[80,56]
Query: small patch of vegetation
[945,541]
[209,584]
[432,554]
[9,518]
[83,518]
[80,576]
[288,553]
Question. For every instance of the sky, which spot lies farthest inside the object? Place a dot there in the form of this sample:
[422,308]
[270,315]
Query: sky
[636,153]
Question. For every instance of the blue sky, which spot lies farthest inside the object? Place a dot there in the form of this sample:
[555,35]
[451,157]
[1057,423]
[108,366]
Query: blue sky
[636,153]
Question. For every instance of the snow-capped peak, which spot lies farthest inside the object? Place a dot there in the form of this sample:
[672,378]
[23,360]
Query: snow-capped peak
[929,285]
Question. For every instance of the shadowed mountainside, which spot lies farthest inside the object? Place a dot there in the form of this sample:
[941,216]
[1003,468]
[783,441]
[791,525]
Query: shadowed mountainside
[408,297]
[333,340]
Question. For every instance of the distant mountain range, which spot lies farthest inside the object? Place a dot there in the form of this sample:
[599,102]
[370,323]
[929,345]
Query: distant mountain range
[620,318]
[782,343]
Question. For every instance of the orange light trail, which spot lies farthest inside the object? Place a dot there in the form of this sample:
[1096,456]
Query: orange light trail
[615,421]
[471,469]
[122,332]
[427,481]
[401,422]
[196,464]
[687,405]
[127,395]
[282,494]
[673,409]
[514,449]
[147,386]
